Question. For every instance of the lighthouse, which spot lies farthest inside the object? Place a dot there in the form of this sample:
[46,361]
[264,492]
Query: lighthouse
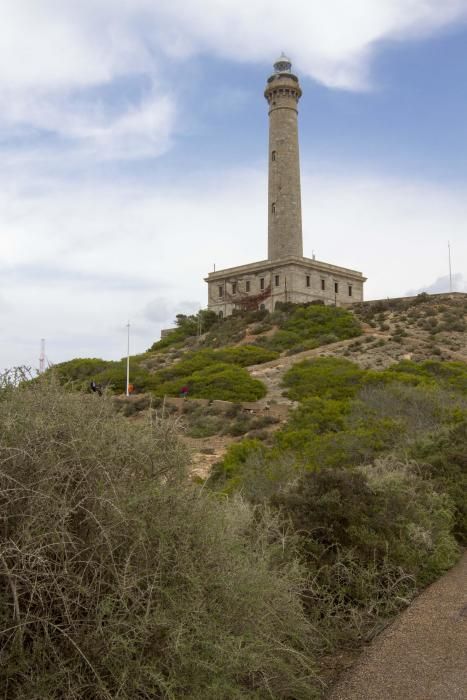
[284,201]
[287,275]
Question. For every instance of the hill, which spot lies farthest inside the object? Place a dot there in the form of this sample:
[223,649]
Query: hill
[349,426]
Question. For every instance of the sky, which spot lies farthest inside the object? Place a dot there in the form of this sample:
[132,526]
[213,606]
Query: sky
[133,147]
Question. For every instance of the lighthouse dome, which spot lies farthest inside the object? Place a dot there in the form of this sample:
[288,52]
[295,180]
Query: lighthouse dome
[283,64]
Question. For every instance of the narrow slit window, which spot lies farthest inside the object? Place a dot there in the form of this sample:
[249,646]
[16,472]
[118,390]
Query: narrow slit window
[323,285]
[234,287]
[261,283]
[273,155]
[247,285]
[308,282]
[336,288]
[273,208]
[221,291]
[276,280]
[350,290]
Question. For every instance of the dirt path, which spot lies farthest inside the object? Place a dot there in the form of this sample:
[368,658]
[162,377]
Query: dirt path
[422,655]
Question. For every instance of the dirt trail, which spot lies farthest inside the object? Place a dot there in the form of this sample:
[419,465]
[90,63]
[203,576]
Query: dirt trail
[422,655]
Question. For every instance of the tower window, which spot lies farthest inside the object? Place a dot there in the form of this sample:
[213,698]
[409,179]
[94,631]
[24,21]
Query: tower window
[261,283]
[273,155]
[276,280]
[308,280]
[336,288]
[350,290]
[221,291]
[273,208]
[247,285]
[323,285]
[234,287]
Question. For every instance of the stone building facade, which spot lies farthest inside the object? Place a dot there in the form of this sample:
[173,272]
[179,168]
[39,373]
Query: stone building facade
[286,275]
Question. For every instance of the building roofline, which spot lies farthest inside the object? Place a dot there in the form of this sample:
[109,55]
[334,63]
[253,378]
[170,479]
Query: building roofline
[290,260]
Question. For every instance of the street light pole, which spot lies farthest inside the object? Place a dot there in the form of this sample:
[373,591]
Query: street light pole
[128,361]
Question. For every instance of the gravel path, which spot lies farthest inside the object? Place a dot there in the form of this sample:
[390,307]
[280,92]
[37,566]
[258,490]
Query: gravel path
[422,655]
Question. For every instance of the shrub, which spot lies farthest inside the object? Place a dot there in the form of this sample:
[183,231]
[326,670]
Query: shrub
[444,460]
[216,381]
[118,578]
[79,370]
[327,377]
[449,374]
[372,537]
[187,326]
[310,326]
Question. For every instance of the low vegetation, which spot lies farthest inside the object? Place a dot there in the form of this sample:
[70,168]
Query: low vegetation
[120,578]
[213,374]
[123,578]
[370,471]
[310,326]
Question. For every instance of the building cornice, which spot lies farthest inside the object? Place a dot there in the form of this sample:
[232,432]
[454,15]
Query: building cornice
[271,265]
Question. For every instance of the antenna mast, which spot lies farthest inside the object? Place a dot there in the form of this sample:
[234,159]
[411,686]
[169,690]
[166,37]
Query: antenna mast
[42,357]
[450,266]
[128,361]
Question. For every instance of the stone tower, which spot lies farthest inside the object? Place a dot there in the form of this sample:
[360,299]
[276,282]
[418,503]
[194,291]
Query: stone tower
[286,276]
[285,213]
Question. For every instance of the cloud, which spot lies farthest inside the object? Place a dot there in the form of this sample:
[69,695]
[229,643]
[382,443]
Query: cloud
[442,285]
[82,259]
[331,42]
[55,56]
[395,231]
[58,45]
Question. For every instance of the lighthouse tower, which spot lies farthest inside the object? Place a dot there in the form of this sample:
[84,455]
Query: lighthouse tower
[286,276]
[285,210]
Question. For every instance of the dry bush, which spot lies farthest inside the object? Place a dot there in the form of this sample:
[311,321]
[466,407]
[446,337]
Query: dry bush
[119,578]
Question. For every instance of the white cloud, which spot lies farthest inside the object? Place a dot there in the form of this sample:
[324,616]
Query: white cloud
[442,285]
[54,56]
[79,260]
[395,231]
[57,45]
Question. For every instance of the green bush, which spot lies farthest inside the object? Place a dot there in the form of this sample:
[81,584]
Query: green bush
[326,377]
[216,381]
[79,370]
[119,578]
[444,460]
[373,536]
[309,326]
[449,374]
[187,326]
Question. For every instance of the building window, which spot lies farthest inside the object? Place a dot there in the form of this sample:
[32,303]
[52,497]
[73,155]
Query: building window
[221,291]
[276,280]
[234,287]
[336,288]
[261,283]
[273,155]
[247,285]
[350,290]
[308,284]
[323,285]
[221,315]
[273,208]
